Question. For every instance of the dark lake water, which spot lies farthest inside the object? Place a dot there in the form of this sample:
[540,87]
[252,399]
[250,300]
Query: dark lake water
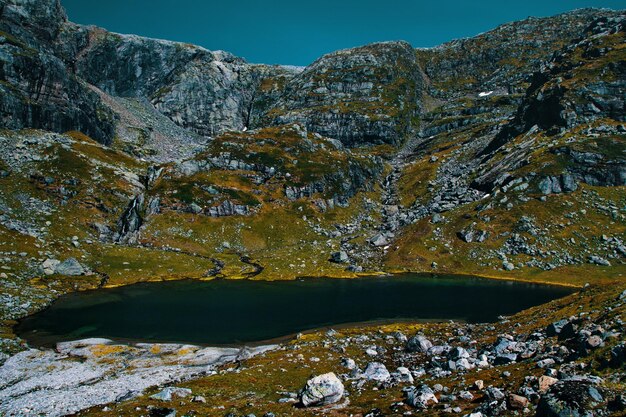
[233,312]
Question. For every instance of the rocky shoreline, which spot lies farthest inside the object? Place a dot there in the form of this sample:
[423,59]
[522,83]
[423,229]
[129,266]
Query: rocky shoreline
[85,373]
[561,358]
[36,381]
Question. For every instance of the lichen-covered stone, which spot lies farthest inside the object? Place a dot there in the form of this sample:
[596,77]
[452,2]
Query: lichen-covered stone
[322,390]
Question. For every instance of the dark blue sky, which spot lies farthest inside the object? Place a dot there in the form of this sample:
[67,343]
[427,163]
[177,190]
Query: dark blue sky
[299,31]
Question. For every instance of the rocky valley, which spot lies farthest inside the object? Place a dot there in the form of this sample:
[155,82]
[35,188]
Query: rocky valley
[125,159]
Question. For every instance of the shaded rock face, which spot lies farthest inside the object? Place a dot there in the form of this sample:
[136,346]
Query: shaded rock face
[228,208]
[370,94]
[36,88]
[33,21]
[131,221]
[594,168]
[206,92]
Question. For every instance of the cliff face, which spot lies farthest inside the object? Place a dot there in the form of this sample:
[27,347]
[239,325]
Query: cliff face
[206,92]
[370,94]
[33,22]
[363,95]
[38,89]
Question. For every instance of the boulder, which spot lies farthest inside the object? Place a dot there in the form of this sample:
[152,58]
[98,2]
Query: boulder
[322,390]
[517,402]
[569,183]
[593,341]
[376,371]
[463,365]
[505,358]
[458,353]
[49,266]
[168,393]
[418,343]
[466,395]
[572,397]
[618,355]
[495,394]
[403,374]
[466,235]
[422,397]
[70,267]
[379,240]
[545,382]
[555,328]
[348,363]
[339,257]
[568,331]
[195,209]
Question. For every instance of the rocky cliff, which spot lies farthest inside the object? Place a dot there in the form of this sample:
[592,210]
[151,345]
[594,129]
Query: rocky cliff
[370,94]
[38,89]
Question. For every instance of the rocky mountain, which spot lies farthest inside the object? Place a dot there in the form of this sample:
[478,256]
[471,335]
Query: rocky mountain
[125,159]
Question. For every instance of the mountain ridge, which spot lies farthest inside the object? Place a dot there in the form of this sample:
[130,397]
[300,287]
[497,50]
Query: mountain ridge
[81,47]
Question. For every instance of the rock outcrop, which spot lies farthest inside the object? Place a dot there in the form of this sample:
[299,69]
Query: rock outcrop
[561,95]
[86,373]
[370,94]
[501,59]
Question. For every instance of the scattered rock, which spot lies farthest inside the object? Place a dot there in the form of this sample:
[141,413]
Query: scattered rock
[597,260]
[569,398]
